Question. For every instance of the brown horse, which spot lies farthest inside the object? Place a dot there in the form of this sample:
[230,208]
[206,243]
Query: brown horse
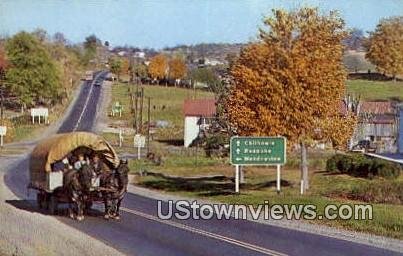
[73,189]
[117,183]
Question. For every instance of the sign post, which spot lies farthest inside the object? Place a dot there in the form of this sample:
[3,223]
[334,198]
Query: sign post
[258,151]
[3,132]
[120,138]
[139,141]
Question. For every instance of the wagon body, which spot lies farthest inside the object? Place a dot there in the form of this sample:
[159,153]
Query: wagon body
[52,150]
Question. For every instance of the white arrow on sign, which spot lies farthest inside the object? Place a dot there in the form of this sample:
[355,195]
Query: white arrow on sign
[238,143]
[238,159]
[238,151]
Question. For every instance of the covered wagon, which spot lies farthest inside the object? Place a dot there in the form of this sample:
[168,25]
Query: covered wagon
[45,175]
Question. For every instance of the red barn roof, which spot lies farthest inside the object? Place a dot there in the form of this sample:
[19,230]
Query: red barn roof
[200,107]
[377,107]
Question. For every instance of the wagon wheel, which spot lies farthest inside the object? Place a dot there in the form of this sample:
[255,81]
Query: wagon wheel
[52,205]
[88,205]
[40,200]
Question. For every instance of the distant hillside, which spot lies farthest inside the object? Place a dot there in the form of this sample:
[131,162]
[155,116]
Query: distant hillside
[355,61]
[210,51]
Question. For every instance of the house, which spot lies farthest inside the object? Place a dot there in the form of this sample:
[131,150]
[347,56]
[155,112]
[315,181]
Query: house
[198,115]
[378,124]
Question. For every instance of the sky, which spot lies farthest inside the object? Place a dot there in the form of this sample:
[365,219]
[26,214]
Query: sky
[162,23]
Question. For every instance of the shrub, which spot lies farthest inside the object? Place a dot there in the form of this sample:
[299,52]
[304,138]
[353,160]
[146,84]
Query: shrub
[331,165]
[361,166]
[344,163]
[385,169]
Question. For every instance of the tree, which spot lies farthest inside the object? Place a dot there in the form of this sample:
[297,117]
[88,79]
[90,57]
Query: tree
[291,79]
[32,75]
[139,70]
[355,39]
[207,76]
[385,46]
[115,65]
[158,66]
[3,62]
[41,35]
[90,46]
[124,69]
[177,68]
[59,38]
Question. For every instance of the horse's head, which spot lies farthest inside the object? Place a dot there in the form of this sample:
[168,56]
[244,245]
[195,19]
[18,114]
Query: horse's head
[123,168]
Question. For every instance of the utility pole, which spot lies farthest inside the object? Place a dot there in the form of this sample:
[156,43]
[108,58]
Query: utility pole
[148,124]
[136,125]
[141,109]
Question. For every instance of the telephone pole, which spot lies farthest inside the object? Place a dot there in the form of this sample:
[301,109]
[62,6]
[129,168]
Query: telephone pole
[148,124]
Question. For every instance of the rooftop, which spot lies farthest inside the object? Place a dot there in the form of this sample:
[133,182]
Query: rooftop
[200,107]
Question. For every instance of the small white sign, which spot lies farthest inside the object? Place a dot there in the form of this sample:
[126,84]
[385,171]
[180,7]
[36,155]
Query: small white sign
[39,112]
[139,141]
[3,130]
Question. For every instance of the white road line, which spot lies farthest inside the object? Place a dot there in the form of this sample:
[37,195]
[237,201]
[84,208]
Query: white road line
[206,233]
[86,102]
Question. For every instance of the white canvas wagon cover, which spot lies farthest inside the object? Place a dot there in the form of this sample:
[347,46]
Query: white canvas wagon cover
[59,146]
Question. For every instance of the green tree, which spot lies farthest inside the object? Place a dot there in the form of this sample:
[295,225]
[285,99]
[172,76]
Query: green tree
[115,65]
[32,75]
[207,76]
[139,70]
[385,46]
[90,46]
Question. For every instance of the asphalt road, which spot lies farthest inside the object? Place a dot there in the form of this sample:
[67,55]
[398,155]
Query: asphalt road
[141,232]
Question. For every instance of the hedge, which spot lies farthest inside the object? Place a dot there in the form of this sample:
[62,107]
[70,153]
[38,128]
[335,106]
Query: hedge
[362,166]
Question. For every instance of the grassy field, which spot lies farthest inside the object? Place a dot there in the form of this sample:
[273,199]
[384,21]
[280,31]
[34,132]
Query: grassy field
[260,186]
[180,165]
[375,90]
[166,104]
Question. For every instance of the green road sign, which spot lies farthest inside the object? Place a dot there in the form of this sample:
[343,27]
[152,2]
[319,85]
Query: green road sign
[258,150]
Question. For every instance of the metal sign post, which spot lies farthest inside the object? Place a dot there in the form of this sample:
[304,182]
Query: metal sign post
[3,132]
[236,178]
[139,141]
[258,151]
[120,138]
[278,178]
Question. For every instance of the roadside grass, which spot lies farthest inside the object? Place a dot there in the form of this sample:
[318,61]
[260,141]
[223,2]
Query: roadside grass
[191,174]
[260,186]
[25,130]
[375,90]
[166,105]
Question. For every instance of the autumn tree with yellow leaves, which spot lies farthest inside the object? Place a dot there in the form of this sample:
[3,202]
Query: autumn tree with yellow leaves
[291,80]
[158,66]
[177,68]
[385,46]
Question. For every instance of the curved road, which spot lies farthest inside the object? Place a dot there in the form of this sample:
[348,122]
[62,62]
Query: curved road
[140,232]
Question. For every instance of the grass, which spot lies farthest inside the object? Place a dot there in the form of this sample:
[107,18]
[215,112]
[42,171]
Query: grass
[375,90]
[180,165]
[260,186]
[25,130]
[166,104]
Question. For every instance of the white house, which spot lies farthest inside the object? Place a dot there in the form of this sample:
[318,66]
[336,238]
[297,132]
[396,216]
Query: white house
[198,114]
